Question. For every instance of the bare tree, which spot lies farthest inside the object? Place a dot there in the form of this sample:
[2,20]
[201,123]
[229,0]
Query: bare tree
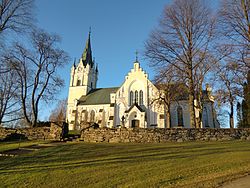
[16,15]
[171,89]
[8,97]
[36,68]
[183,39]
[234,18]
[201,73]
[59,113]
[227,88]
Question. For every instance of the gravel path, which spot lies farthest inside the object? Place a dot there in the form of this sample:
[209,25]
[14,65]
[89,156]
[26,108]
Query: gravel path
[239,183]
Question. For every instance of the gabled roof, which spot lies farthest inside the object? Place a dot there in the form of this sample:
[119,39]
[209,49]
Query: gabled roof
[97,96]
[134,105]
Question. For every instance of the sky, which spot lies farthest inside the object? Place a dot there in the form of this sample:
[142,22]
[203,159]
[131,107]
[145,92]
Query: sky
[119,28]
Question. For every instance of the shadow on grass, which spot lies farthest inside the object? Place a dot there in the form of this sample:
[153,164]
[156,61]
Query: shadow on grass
[15,137]
[62,158]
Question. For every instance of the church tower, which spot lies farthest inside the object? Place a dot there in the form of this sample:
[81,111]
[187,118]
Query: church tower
[83,76]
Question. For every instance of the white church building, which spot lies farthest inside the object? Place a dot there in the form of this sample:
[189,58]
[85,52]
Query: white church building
[133,104]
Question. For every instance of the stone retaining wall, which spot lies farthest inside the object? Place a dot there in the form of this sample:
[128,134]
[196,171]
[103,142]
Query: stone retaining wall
[162,135]
[53,132]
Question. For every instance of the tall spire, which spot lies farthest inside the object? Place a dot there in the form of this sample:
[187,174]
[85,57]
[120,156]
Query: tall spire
[74,63]
[87,53]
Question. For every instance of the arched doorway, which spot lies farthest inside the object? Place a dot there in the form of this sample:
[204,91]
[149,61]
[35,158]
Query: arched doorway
[135,123]
[180,116]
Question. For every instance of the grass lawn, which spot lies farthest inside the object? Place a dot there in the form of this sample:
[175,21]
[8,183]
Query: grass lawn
[191,164]
[4,146]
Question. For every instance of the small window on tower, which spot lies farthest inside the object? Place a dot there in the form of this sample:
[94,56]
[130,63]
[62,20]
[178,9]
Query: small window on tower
[91,84]
[78,82]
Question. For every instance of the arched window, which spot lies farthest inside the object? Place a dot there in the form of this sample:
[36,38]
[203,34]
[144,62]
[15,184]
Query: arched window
[78,82]
[103,118]
[136,97]
[141,98]
[92,116]
[131,98]
[86,116]
[180,116]
[205,117]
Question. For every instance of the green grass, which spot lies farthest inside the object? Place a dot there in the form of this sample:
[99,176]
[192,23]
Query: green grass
[4,146]
[74,132]
[191,164]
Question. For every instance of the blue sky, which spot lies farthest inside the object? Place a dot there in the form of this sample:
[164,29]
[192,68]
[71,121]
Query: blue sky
[118,29]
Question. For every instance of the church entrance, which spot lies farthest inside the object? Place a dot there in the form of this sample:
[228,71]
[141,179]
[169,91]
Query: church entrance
[135,123]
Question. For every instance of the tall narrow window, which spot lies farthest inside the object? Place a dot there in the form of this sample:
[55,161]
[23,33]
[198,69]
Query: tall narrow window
[86,116]
[180,116]
[92,116]
[131,98]
[205,117]
[141,98]
[136,97]
[103,118]
[78,82]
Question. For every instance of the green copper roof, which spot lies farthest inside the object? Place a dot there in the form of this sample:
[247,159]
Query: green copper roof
[86,49]
[97,96]
[87,53]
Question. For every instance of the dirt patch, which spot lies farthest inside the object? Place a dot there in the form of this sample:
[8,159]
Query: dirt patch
[23,150]
[36,147]
[14,152]
[239,183]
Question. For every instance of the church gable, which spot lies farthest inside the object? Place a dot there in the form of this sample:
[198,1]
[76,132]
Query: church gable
[136,88]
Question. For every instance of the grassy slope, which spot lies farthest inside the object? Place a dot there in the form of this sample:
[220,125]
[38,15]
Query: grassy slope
[128,165]
[4,146]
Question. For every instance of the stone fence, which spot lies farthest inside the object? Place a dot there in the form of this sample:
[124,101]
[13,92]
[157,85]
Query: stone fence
[138,135]
[52,132]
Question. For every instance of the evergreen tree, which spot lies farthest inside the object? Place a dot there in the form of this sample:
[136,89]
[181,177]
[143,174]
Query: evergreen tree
[246,103]
[239,115]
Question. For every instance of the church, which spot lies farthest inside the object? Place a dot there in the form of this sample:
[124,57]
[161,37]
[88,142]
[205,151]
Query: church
[133,104]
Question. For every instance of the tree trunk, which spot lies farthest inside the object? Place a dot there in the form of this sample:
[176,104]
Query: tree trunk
[191,100]
[198,120]
[168,117]
[231,115]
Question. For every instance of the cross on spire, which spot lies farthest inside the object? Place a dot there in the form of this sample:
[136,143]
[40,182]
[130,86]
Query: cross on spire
[89,30]
[136,55]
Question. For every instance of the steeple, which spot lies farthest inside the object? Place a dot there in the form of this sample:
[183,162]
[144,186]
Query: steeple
[136,55]
[87,53]
[136,62]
